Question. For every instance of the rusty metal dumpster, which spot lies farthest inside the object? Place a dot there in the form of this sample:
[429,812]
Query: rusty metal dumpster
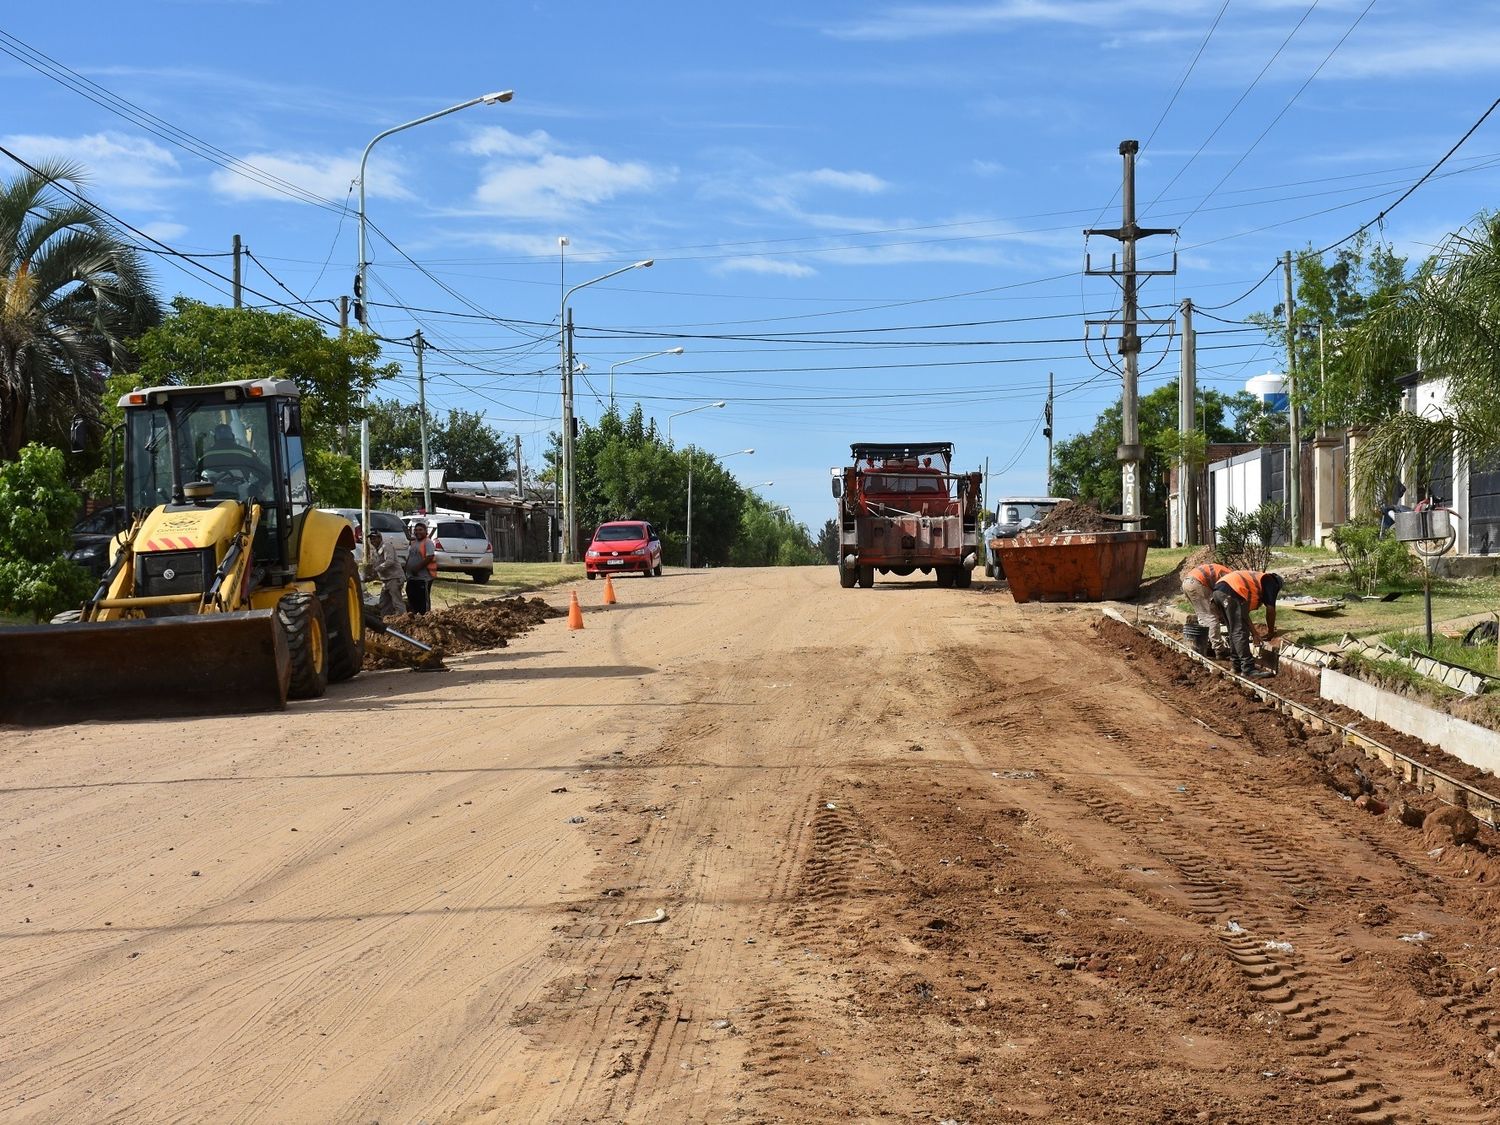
[1079,566]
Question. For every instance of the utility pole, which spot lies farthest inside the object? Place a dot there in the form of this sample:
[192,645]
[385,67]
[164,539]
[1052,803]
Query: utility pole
[1047,432]
[1187,414]
[520,473]
[569,490]
[1130,452]
[344,312]
[238,299]
[421,345]
[1293,416]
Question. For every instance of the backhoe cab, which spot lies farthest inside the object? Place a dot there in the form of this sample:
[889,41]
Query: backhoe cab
[229,591]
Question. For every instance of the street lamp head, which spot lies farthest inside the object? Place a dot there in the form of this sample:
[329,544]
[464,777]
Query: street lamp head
[647,264]
[674,351]
[719,404]
[748,451]
[562,240]
[498,96]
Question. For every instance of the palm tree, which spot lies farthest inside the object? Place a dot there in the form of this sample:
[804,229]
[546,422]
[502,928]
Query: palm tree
[72,291]
[1449,314]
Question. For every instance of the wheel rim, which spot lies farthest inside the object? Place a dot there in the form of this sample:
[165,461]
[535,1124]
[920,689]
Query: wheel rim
[356,612]
[315,646]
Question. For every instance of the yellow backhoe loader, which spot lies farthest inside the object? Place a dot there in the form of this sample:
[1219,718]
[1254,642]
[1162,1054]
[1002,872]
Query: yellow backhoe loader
[229,592]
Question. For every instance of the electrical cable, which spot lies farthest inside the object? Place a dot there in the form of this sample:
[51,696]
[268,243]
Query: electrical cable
[1244,156]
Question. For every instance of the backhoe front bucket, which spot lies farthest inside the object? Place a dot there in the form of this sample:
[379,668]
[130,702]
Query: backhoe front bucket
[222,663]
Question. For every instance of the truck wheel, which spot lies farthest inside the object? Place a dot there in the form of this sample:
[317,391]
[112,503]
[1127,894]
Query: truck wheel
[963,578]
[301,616]
[866,577]
[847,577]
[342,599]
[944,577]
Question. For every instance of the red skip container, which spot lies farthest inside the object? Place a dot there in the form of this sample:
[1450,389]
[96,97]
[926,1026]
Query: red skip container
[1080,566]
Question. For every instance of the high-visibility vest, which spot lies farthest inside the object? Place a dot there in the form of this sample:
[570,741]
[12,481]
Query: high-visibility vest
[1245,583]
[425,549]
[1208,574]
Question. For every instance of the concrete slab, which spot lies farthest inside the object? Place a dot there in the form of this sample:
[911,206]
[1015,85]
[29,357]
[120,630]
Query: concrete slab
[1468,742]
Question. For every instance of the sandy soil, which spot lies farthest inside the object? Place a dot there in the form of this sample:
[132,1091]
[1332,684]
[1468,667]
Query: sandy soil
[922,855]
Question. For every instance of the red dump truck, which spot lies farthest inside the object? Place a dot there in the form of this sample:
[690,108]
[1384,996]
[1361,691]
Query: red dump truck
[903,509]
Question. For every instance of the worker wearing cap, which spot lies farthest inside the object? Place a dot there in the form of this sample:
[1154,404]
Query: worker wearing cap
[383,563]
[1198,587]
[1239,594]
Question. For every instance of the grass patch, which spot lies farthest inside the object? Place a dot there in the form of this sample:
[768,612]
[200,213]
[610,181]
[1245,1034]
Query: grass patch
[1313,638]
[1163,560]
[1450,650]
[1394,675]
[509,579]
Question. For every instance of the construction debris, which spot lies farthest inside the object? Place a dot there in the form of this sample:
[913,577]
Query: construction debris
[461,628]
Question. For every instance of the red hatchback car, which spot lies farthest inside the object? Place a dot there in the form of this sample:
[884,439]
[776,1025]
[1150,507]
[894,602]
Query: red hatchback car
[624,545]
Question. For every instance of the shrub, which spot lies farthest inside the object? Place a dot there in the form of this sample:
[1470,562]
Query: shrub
[1245,538]
[1371,559]
[36,514]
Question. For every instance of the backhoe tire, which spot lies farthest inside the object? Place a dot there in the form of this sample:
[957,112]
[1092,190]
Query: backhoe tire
[866,577]
[342,598]
[847,577]
[301,617]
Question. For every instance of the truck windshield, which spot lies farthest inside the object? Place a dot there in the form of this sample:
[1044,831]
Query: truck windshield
[889,484]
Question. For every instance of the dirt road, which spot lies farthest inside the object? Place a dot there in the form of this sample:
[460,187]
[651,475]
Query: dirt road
[922,855]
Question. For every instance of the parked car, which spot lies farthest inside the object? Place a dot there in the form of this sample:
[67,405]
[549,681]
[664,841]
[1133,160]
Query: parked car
[462,546]
[389,524]
[622,545]
[92,536]
[1013,515]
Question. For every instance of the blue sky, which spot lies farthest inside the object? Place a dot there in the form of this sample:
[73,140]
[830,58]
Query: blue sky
[867,219]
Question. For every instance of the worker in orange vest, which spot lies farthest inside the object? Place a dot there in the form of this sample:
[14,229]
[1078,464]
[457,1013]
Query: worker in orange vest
[1198,587]
[421,570]
[1239,594]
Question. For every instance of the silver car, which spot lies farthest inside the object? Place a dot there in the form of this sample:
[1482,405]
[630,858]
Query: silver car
[462,545]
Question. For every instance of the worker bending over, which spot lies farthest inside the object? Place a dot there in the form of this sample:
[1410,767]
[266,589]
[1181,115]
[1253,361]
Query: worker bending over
[1239,594]
[1198,587]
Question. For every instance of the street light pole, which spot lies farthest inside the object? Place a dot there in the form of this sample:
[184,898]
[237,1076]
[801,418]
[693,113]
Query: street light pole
[565,349]
[690,410]
[361,288]
[689,546]
[637,359]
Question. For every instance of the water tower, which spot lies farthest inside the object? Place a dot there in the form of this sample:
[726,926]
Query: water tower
[1270,388]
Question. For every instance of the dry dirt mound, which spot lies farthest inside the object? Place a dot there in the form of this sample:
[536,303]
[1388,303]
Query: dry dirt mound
[1075,515]
[462,628]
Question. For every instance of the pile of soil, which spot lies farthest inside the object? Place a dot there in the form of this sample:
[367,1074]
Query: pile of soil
[460,628]
[1075,515]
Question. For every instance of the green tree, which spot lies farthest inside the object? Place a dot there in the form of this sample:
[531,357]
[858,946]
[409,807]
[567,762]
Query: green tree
[1332,299]
[202,343]
[71,294]
[395,434]
[828,542]
[37,508]
[468,449]
[767,538]
[1084,466]
[1446,313]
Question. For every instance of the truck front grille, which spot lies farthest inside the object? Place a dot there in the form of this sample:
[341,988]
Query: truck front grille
[158,573]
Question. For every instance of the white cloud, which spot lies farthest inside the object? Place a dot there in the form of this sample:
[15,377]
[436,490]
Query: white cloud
[117,168]
[862,182]
[497,141]
[164,231]
[554,186]
[759,264]
[989,168]
[324,175]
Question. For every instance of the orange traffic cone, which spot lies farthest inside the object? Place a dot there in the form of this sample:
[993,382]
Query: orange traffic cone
[609,591]
[575,612]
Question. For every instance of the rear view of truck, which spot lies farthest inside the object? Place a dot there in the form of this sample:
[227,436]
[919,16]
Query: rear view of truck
[901,509]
